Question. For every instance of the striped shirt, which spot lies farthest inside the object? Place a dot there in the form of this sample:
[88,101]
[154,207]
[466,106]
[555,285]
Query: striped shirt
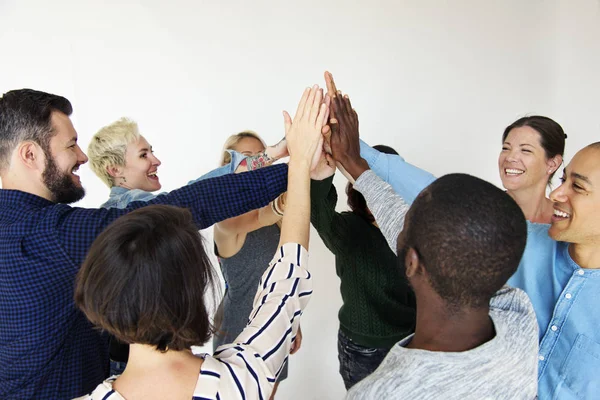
[248,368]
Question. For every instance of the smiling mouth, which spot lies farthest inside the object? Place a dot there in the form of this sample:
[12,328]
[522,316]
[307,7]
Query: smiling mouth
[559,214]
[513,171]
[153,175]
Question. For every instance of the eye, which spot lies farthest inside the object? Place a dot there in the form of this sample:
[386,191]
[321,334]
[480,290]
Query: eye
[144,155]
[577,187]
[504,148]
[526,151]
[562,179]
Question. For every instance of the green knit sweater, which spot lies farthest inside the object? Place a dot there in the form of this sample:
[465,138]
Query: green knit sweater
[379,306]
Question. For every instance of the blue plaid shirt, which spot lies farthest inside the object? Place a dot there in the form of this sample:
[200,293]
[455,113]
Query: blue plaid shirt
[48,349]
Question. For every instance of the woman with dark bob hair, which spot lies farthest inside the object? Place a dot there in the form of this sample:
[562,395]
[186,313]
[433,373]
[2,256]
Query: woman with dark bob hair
[146,276]
[378,307]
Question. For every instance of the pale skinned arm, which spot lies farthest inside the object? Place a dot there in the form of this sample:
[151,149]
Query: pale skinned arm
[230,234]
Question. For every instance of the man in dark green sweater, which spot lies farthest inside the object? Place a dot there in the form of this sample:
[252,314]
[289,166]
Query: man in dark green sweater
[378,305]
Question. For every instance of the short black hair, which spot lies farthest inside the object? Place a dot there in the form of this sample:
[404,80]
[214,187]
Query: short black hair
[356,201]
[469,235]
[25,114]
[145,278]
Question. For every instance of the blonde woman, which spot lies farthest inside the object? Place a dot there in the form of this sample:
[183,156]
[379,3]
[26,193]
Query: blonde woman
[124,160]
[243,245]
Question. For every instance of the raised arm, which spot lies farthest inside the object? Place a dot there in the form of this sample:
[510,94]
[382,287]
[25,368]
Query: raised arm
[230,234]
[210,201]
[264,345]
[387,207]
[406,179]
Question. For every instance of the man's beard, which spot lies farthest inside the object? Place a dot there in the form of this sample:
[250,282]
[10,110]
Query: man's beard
[60,184]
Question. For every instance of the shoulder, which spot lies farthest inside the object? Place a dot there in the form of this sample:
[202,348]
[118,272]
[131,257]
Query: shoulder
[103,391]
[515,320]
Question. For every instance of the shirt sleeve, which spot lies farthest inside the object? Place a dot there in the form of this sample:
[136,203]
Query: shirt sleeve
[258,354]
[330,225]
[406,179]
[387,207]
[236,159]
[210,201]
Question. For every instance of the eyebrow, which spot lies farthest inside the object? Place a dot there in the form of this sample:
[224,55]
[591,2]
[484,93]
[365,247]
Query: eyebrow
[575,175]
[583,178]
[144,149]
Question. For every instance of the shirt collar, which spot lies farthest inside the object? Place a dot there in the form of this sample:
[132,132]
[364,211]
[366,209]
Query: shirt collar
[18,197]
[117,191]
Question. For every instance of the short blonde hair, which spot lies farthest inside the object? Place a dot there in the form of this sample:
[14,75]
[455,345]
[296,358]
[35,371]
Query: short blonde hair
[108,147]
[233,140]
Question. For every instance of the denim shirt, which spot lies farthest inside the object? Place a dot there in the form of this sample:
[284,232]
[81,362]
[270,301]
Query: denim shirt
[120,197]
[565,297]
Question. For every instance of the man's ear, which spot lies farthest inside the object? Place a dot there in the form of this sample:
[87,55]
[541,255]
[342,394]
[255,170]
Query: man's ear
[31,155]
[412,263]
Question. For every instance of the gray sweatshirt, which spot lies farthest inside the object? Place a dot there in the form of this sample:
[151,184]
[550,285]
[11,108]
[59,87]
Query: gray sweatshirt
[503,368]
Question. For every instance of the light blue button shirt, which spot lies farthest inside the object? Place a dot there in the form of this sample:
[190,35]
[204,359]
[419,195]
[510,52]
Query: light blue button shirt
[566,297]
[120,197]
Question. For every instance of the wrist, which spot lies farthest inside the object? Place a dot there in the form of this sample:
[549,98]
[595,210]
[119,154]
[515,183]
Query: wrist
[355,166]
[299,163]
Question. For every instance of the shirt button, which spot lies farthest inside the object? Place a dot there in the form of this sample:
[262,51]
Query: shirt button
[554,328]
[580,272]
[568,295]
[541,358]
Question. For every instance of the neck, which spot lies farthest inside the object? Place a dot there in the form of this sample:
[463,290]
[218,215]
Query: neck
[440,328]
[147,357]
[151,374]
[32,185]
[533,203]
[586,255]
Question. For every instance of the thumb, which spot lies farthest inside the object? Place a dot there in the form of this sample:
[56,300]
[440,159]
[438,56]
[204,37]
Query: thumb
[287,122]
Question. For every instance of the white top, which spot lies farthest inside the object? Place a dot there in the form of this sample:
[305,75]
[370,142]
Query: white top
[248,368]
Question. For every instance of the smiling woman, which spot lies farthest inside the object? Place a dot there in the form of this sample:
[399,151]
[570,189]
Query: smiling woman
[532,151]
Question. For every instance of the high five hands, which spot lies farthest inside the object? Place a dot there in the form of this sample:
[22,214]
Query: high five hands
[337,122]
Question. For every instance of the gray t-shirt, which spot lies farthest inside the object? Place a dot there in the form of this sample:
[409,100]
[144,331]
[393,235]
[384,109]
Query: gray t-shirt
[503,368]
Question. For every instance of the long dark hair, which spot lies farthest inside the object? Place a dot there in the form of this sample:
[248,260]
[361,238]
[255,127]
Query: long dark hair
[356,201]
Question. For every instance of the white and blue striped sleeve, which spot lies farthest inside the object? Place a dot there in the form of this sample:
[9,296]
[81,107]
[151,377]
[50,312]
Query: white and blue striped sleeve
[258,354]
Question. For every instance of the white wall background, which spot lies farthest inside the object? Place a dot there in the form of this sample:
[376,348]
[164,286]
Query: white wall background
[438,80]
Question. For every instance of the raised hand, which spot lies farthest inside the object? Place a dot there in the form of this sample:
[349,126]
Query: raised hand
[343,137]
[324,169]
[303,134]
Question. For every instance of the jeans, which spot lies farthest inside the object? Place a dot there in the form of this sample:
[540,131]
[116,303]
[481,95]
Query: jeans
[356,361]
[117,367]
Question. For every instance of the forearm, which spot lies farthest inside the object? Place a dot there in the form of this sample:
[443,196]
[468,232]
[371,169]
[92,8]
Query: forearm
[406,179]
[387,207]
[235,159]
[296,219]
[263,159]
[282,295]
[328,223]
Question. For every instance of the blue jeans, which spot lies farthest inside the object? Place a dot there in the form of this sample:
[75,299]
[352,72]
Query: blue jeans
[356,361]
[116,367]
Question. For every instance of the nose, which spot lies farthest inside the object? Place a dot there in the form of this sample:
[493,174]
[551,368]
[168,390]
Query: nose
[558,195]
[81,157]
[511,156]
[155,160]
